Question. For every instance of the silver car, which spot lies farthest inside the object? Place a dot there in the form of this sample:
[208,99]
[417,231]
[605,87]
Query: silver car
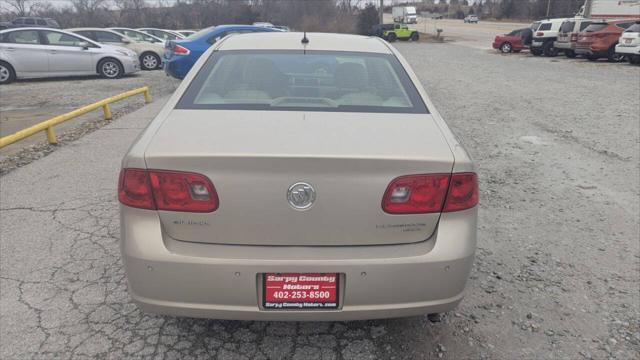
[40,52]
[298,177]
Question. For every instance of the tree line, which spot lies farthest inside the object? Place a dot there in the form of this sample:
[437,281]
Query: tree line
[308,15]
[315,15]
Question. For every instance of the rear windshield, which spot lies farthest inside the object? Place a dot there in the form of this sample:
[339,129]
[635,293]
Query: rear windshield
[584,24]
[311,81]
[595,27]
[567,27]
[633,28]
[544,27]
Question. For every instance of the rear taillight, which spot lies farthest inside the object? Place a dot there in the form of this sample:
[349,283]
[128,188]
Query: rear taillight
[463,192]
[574,37]
[134,189]
[167,190]
[180,50]
[432,193]
[539,33]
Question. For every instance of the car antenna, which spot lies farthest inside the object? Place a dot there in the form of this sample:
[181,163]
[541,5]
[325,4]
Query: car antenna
[304,42]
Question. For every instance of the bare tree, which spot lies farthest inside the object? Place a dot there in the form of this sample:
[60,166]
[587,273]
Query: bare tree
[21,7]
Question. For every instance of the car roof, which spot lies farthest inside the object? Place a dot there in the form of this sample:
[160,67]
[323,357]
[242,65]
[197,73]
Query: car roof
[38,28]
[293,41]
[51,29]
[553,20]
[90,29]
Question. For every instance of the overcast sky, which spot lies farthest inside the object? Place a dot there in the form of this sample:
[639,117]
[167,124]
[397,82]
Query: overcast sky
[4,6]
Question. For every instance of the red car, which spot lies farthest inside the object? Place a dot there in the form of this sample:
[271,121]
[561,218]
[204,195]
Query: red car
[515,41]
[599,39]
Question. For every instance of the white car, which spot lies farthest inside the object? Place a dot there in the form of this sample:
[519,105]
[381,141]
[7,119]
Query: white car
[150,54]
[41,52]
[471,19]
[629,43]
[138,35]
[186,33]
[163,33]
[544,37]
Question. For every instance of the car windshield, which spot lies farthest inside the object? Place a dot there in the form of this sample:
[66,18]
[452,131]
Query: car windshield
[595,27]
[137,35]
[567,27]
[311,81]
[633,28]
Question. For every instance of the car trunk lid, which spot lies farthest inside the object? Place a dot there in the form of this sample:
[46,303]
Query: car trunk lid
[254,157]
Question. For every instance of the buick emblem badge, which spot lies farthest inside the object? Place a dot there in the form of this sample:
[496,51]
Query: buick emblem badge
[301,196]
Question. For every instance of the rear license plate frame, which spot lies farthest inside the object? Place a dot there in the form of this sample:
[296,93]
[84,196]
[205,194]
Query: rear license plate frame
[297,303]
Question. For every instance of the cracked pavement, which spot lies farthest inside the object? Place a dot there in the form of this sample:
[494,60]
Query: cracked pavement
[556,274]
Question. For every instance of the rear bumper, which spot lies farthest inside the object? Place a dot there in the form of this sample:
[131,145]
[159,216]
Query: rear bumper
[177,67]
[224,281]
[588,51]
[565,45]
[538,43]
[628,50]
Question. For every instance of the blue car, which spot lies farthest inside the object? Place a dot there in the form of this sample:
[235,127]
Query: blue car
[180,55]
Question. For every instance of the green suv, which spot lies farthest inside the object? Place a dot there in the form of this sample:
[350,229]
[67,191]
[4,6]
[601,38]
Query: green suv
[393,32]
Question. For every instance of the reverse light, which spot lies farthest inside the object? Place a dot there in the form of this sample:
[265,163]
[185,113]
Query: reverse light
[431,193]
[167,190]
[416,194]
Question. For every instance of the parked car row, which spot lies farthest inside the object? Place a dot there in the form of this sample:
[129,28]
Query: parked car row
[592,39]
[35,52]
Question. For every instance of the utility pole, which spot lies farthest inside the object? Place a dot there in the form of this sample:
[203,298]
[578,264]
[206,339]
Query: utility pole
[587,9]
[548,7]
[381,11]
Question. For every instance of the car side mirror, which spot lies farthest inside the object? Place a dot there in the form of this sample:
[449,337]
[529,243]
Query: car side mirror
[84,45]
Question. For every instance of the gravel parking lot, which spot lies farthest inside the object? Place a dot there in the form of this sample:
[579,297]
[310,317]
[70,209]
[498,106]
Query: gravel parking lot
[556,274]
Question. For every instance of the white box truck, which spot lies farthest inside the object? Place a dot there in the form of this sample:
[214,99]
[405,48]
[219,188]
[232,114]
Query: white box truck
[610,9]
[404,14]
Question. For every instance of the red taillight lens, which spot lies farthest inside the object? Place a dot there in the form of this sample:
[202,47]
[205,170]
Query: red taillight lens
[167,190]
[134,189]
[539,33]
[182,191]
[463,192]
[574,37]
[433,193]
[416,194]
[180,50]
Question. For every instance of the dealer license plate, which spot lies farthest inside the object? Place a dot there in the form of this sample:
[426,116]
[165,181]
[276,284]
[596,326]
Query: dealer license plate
[300,291]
